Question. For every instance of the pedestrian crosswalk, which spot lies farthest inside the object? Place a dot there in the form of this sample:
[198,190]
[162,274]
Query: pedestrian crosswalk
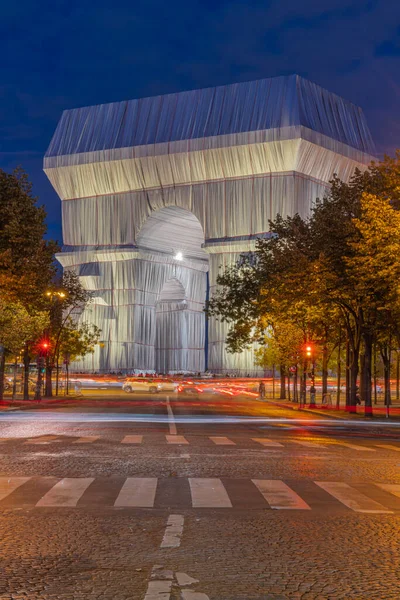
[212,441]
[198,493]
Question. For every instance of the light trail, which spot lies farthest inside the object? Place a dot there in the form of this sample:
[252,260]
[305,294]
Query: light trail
[27,416]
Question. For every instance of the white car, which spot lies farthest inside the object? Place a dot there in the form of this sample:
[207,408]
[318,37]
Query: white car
[136,385]
[167,385]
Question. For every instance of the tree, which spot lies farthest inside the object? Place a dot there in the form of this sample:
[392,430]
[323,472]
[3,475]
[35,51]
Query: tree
[282,345]
[18,329]
[375,269]
[314,273]
[76,340]
[26,259]
[67,297]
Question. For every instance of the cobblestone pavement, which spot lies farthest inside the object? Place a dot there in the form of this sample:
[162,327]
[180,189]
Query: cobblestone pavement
[97,549]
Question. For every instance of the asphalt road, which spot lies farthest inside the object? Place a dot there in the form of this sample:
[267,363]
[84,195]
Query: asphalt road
[157,498]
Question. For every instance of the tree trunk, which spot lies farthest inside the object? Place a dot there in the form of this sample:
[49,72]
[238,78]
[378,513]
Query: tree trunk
[273,382]
[14,388]
[283,383]
[375,372]
[324,370]
[58,372]
[39,381]
[347,374]
[67,377]
[339,371]
[295,387]
[49,373]
[288,387]
[367,374]
[2,370]
[27,360]
[385,353]
[354,357]
[397,375]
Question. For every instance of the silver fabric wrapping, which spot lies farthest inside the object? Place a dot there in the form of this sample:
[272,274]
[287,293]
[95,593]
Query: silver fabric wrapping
[199,173]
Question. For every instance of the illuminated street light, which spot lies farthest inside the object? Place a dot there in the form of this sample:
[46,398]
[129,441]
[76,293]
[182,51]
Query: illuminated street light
[178,256]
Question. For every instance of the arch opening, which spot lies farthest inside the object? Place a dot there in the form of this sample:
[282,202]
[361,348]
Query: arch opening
[173,230]
[179,283]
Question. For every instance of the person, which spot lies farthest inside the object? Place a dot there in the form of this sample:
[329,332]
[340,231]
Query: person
[312,394]
[358,398]
[261,390]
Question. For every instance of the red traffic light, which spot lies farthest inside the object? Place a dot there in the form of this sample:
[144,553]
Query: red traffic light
[309,350]
[44,345]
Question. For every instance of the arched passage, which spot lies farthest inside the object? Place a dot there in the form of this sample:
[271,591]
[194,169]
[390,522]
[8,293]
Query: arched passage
[174,270]
[172,323]
[171,230]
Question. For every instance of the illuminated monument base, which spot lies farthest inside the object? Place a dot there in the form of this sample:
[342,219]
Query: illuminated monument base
[159,194]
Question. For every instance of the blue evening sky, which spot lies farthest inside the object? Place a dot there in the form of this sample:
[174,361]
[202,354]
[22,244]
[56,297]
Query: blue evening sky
[59,54]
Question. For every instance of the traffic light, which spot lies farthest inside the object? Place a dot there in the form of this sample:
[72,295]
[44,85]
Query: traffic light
[309,351]
[44,347]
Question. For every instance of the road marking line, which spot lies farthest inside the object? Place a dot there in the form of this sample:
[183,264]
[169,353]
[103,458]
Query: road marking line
[208,493]
[184,579]
[221,441]
[66,492]
[355,447]
[309,444]
[158,590]
[138,492]
[43,439]
[279,495]
[9,484]
[171,420]
[267,442]
[89,439]
[173,532]
[352,498]
[392,488]
[388,447]
[176,439]
[132,439]
[189,595]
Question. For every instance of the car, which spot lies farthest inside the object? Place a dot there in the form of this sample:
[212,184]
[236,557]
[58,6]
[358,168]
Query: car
[137,385]
[167,385]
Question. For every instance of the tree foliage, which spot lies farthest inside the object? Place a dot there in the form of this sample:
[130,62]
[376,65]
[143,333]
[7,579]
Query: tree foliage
[336,270]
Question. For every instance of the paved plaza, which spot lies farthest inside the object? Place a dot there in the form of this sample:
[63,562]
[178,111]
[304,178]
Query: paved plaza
[197,500]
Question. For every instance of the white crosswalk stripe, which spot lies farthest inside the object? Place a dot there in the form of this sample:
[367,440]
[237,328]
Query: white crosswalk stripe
[141,492]
[279,495]
[208,493]
[221,441]
[309,444]
[132,439]
[218,440]
[356,447]
[176,439]
[267,442]
[66,492]
[388,447]
[9,484]
[351,497]
[392,488]
[43,439]
[137,492]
